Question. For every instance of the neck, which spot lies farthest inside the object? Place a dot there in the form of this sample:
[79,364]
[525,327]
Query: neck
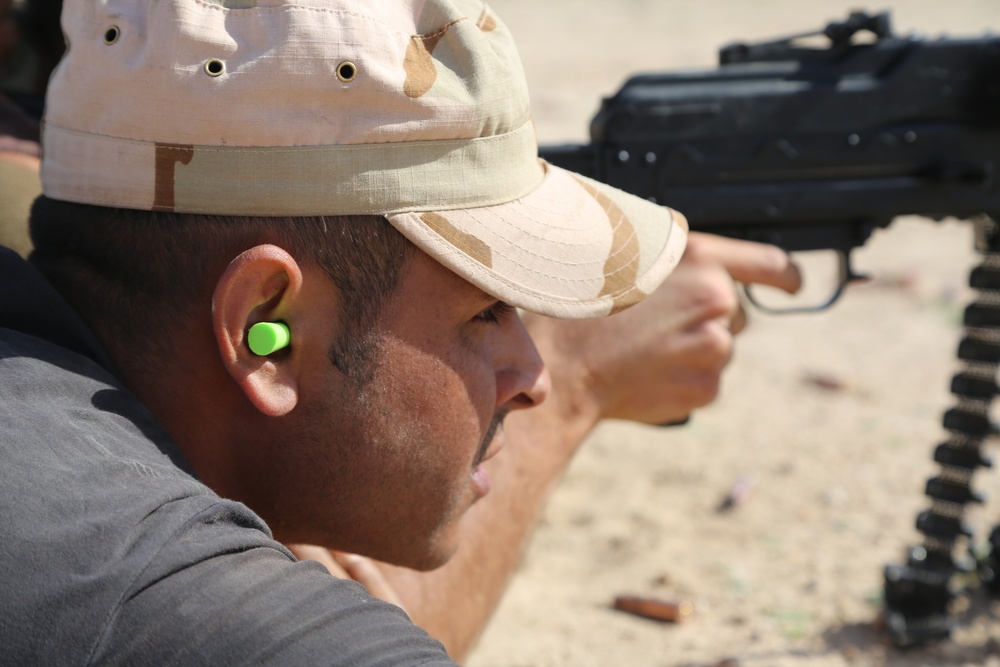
[199,405]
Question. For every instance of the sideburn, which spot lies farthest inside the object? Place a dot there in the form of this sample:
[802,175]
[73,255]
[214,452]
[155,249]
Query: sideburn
[354,353]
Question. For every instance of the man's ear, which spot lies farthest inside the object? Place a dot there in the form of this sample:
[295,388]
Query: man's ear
[263,284]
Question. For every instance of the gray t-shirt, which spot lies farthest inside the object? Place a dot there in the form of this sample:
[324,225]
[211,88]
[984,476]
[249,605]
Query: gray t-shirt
[112,552]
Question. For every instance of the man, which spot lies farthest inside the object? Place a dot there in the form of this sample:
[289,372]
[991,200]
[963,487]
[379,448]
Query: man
[362,181]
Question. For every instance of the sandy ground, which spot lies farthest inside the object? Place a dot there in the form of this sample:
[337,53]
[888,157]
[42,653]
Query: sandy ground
[829,419]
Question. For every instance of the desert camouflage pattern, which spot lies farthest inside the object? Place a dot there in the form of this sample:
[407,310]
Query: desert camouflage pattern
[415,110]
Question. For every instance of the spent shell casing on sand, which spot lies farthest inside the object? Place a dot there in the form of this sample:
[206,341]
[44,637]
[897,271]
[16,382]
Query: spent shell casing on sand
[660,610]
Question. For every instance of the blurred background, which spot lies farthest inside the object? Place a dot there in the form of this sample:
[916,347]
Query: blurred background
[823,431]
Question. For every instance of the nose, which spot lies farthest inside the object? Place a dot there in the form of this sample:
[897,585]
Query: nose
[521,377]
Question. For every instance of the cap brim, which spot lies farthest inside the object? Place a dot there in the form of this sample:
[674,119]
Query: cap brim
[571,248]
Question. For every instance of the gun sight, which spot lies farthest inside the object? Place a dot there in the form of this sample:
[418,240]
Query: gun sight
[840,34]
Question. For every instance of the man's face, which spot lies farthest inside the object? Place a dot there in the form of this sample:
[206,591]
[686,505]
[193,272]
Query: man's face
[392,465]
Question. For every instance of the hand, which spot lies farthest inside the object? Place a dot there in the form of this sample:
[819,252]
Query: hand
[342,565]
[661,359]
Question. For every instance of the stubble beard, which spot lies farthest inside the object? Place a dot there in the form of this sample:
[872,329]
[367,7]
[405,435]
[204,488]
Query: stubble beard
[495,425]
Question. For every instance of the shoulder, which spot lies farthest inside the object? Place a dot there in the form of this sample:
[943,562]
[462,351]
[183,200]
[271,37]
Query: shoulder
[106,537]
[259,607]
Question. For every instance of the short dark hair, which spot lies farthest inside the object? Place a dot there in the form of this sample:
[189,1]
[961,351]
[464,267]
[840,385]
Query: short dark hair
[128,272]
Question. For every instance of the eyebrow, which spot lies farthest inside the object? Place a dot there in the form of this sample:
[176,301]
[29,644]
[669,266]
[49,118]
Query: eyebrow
[486,298]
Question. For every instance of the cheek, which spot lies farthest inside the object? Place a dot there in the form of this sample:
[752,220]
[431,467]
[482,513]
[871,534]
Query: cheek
[405,444]
[426,431]
[449,397]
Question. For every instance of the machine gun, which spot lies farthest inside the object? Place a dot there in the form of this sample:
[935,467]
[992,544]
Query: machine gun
[813,148]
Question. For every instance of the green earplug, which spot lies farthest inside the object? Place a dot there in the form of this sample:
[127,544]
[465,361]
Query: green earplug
[268,337]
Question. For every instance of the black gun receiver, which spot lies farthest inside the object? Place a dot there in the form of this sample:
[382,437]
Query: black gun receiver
[809,148]
[813,148]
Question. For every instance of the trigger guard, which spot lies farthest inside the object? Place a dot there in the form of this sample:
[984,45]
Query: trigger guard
[847,275]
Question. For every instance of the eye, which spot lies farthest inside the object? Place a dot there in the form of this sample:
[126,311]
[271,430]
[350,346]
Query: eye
[495,313]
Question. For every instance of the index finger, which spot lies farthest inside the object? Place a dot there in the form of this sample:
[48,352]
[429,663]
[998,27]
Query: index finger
[747,261]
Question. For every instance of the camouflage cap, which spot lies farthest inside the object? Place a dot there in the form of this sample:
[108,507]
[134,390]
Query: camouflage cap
[414,110]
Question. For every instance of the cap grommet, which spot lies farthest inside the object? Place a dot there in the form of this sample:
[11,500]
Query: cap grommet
[215,67]
[347,71]
[112,34]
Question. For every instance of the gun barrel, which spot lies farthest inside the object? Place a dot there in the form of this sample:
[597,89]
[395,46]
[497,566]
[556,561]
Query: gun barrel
[809,152]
